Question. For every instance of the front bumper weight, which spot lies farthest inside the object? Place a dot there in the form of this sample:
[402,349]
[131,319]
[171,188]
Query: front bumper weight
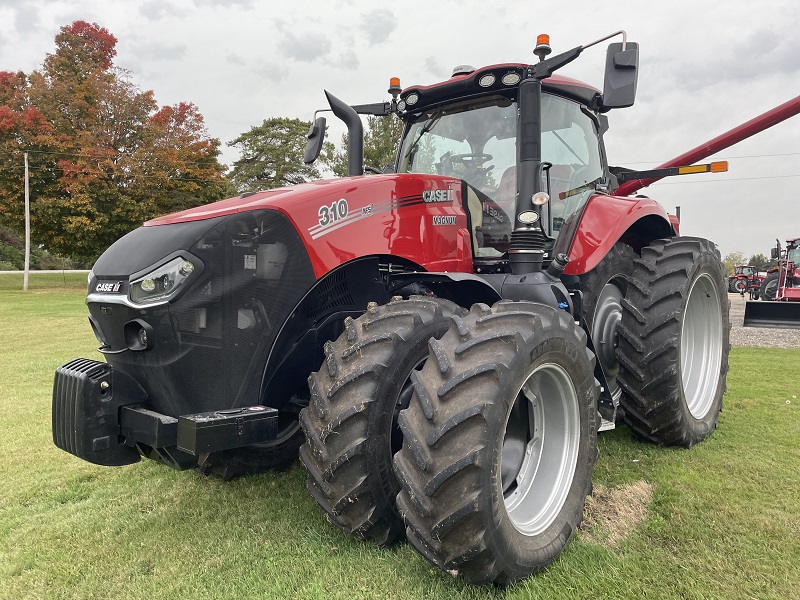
[86,398]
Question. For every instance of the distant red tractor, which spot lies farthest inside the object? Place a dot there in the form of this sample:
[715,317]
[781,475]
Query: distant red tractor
[786,275]
[781,288]
[745,279]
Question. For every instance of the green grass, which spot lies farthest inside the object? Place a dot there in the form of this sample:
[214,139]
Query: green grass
[724,521]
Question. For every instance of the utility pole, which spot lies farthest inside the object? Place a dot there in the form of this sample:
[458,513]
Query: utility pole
[27,228]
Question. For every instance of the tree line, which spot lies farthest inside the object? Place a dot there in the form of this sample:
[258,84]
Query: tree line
[759,261]
[105,157]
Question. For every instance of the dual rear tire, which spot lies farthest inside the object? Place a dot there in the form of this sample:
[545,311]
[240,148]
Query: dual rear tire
[674,341]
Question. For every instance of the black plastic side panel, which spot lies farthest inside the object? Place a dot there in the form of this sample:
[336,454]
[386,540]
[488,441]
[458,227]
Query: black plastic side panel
[86,398]
[210,345]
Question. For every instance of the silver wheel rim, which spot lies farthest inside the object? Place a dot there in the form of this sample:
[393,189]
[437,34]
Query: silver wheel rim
[605,322]
[545,476]
[701,346]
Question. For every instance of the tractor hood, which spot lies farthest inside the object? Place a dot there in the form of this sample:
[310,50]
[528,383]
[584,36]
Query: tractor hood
[284,199]
[341,219]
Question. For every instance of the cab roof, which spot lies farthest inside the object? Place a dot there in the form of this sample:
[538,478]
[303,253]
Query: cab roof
[475,83]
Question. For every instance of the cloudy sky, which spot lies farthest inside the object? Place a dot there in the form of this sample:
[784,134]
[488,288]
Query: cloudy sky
[705,68]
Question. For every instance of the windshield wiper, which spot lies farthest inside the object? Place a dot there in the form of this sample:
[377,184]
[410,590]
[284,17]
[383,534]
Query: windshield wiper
[563,141]
[429,124]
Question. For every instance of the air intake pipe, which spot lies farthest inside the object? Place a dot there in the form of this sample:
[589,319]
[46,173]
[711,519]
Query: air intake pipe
[355,134]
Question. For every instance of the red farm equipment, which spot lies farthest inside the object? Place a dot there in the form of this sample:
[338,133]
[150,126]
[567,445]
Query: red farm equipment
[781,290]
[745,279]
[442,342]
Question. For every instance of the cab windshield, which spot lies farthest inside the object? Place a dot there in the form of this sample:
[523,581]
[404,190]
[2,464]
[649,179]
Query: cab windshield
[476,141]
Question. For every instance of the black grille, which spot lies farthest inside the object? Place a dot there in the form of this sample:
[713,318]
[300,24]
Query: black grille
[332,293]
[211,343]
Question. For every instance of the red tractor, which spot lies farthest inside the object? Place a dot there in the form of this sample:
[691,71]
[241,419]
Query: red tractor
[441,342]
[781,287]
[745,278]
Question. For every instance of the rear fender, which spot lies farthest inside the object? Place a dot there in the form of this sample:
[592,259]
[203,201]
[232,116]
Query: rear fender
[609,219]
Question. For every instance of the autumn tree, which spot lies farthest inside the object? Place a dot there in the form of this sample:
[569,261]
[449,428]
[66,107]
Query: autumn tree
[761,262]
[272,156]
[381,139]
[104,157]
[22,128]
[732,259]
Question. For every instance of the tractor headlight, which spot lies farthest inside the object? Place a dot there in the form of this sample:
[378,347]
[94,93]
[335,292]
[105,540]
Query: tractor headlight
[161,283]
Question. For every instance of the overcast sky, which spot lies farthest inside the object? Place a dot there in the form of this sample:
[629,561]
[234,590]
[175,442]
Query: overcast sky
[705,67]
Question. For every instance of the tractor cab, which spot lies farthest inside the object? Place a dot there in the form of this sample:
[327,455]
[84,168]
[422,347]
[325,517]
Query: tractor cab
[526,143]
[476,140]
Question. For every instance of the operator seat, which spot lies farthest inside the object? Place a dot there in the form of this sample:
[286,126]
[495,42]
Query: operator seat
[506,193]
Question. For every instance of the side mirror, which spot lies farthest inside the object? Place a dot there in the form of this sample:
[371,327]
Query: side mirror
[775,253]
[316,135]
[622,73]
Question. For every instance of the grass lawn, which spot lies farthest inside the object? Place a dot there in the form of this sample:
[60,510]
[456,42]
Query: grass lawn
[723,520]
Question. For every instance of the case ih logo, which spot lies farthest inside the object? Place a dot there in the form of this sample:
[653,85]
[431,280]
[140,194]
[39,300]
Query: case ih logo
[108,286]
[437,196]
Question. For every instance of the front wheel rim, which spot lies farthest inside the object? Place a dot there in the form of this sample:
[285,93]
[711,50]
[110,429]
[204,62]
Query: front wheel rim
[701,346]
[542,482]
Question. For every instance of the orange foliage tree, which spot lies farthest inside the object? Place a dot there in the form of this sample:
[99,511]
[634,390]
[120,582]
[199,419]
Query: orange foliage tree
[104,157]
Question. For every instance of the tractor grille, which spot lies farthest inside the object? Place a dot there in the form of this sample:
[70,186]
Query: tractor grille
[331,294]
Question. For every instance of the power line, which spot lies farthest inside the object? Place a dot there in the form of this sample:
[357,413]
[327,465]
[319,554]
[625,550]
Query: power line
[93,156]
[644,162]
[169,177]
[727,179]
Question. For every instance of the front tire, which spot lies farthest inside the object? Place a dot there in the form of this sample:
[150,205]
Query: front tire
[674,342]
[350,423]
[769,287]
[500,441]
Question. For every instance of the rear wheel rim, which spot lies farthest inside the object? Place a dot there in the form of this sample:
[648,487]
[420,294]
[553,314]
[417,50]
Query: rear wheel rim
[605,324]
[701,346]
[543,477]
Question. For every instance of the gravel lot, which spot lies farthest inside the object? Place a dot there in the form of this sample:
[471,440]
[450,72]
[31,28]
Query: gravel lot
[758,336]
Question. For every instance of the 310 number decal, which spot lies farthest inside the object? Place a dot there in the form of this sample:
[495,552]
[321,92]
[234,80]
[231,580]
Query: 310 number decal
[333,213]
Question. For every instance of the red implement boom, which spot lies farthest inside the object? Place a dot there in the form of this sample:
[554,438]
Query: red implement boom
[729,138]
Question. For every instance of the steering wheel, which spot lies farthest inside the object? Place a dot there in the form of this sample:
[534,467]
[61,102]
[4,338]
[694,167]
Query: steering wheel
[471,170]
[471,160]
